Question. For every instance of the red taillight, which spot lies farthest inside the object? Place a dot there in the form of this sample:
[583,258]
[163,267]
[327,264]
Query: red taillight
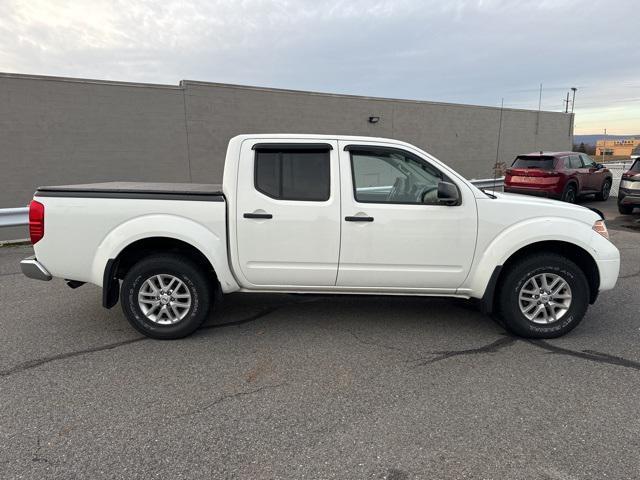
[36,221]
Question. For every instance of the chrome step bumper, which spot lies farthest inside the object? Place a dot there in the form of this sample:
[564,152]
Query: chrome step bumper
[32,268]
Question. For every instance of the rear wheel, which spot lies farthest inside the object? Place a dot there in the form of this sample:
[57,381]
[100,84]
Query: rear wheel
[543,296]
[570,193]
[604,191]
[166,296]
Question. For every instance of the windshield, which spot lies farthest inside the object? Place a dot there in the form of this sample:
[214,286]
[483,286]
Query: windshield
[636,166]
[544,163]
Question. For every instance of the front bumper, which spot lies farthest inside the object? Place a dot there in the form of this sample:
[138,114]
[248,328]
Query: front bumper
[629,197]
[32,268]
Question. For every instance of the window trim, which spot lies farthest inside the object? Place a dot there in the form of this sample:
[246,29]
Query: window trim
[288,148]
[383,149]
[292,146]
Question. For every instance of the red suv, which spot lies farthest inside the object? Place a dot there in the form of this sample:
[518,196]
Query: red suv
[561,175]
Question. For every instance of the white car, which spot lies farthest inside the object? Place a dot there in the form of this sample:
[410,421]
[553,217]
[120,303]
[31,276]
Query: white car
[322,214]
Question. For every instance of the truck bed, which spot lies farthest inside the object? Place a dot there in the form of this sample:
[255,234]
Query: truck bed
[142,190]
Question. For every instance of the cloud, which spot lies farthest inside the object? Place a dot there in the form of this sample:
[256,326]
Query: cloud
[468,51]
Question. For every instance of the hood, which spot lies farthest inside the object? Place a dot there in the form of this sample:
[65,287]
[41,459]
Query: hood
[527,206]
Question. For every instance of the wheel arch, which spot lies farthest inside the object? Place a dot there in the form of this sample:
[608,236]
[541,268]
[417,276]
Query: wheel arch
[581,257]
[116,268]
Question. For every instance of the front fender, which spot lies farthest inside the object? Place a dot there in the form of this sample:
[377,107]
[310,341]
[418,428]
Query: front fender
[495,252]
[211,245]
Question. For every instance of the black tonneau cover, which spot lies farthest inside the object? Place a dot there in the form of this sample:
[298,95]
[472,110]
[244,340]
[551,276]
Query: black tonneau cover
[144,190]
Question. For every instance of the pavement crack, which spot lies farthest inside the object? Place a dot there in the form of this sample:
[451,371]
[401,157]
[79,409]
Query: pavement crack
[36,454]
[230,396]
[591,355]
[631,275]
[7,274]
[252,318]
[256,316]
[492,347]
[21,367]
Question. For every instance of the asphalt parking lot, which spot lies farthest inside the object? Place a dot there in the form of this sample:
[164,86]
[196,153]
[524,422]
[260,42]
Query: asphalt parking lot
[284,386]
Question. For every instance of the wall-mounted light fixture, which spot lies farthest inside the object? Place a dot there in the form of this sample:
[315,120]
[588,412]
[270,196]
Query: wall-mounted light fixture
[374,119]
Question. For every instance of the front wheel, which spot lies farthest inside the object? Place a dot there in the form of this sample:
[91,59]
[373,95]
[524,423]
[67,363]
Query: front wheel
[543,296]
[625,209]
[604,191]
[166,296]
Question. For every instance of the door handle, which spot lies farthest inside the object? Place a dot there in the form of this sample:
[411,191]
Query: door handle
[358,219]
[258,215]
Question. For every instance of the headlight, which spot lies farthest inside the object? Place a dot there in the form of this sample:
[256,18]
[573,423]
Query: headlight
[601,228]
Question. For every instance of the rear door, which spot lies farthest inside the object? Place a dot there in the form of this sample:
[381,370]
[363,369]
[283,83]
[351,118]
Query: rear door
[288,213]
[395,235]
[581,173]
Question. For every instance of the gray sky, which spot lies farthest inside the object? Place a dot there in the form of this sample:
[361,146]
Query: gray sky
[464,51]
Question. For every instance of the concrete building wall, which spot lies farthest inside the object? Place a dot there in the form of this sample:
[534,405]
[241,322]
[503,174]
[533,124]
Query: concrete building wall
[61,130]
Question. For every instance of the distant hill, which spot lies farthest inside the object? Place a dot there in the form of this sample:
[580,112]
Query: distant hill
[591,139]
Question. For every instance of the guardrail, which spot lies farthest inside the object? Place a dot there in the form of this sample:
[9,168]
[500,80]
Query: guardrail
[490,183]
[14,217]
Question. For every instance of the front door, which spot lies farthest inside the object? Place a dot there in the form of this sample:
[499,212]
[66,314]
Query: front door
[395,235]
[288,213]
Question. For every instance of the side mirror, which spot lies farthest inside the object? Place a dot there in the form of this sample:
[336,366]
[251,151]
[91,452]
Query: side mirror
[448,194]
[599,166]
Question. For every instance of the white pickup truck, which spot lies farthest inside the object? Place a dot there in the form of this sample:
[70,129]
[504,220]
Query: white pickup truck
[322,214]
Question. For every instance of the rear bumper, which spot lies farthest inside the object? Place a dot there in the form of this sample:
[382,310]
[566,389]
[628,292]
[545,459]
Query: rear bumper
[538,192]
[32,268]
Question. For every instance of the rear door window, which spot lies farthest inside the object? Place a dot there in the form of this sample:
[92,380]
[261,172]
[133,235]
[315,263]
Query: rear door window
[566,161]
[543,163]
[291,174]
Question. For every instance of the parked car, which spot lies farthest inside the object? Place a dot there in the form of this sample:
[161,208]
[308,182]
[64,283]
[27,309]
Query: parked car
[322,214]
[629,192]
[560,175]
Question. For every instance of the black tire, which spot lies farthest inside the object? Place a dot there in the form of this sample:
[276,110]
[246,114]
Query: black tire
[519,274]
[184,269]
[625,209]
[604,191]
[570,193]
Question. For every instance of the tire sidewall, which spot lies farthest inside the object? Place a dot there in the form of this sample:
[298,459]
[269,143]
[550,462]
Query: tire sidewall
[515,320]
[604,193]
[565,195]
[180,268]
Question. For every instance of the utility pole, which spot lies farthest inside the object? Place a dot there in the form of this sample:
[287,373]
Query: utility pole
[573,101]
[566,106]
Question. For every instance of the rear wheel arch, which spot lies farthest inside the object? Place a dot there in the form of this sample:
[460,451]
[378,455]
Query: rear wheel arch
[117,267]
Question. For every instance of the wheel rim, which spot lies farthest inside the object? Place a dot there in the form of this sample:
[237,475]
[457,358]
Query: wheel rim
[571,196]
[606,188]
[164,299]
[545,298]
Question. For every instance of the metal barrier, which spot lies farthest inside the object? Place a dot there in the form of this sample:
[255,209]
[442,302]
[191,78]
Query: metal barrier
[489,183]
[14,217]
